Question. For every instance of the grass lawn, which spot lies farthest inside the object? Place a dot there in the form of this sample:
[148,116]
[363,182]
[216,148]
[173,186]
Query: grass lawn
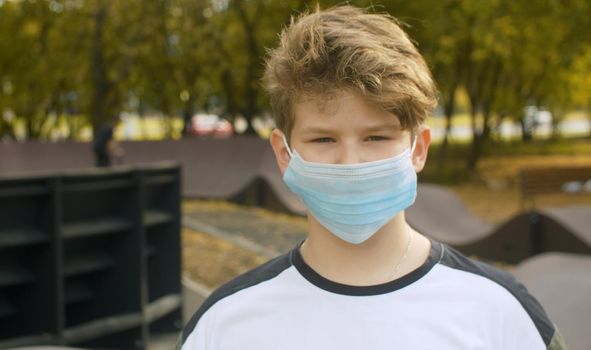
[213,261]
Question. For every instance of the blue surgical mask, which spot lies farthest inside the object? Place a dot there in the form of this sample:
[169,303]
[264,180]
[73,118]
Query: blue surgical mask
[353,201]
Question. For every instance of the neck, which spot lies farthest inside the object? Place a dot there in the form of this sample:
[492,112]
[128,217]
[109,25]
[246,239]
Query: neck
[371,262]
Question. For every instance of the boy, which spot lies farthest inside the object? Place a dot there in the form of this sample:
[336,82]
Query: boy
[350,92]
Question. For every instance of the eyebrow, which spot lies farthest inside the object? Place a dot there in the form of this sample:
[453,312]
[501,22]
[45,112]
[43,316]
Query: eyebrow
[317,130]
[382,127]
[373,128]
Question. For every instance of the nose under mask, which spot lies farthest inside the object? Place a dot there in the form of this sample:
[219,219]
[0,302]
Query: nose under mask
[353,201]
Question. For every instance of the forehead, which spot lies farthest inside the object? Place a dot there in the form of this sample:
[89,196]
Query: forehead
[340,110]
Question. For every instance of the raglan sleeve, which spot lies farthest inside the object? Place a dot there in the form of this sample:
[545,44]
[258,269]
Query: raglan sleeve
[198,333]
[527,324]
[557,342]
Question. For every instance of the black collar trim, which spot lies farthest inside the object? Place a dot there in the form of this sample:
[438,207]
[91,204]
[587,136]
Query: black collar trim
[316,279]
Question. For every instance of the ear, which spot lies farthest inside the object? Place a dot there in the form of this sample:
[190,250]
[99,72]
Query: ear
[419,156]
[281,155]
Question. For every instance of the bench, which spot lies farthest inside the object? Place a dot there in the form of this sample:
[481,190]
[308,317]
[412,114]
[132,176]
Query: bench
[551,180]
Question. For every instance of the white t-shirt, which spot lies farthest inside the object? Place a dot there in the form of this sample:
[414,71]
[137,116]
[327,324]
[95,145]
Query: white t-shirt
[449,303]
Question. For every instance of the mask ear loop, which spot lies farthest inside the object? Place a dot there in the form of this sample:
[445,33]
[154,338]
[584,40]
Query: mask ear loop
[287,146]
[414,144]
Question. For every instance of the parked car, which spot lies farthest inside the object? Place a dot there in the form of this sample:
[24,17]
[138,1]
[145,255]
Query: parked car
[210,125]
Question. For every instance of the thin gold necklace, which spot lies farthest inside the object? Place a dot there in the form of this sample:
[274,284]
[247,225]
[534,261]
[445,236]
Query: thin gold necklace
[405,255]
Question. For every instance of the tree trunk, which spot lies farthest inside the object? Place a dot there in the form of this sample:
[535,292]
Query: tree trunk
[250,130]
[99,78]
[228,87]
[474,152]
[251,92]
[478,141]
[557,118]
[188,112]
[449,108]
[32,129]
[6,129]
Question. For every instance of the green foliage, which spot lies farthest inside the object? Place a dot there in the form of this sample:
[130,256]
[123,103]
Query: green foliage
[98,58]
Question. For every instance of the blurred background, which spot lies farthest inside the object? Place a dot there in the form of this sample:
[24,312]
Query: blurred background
[507,70]
[510,159]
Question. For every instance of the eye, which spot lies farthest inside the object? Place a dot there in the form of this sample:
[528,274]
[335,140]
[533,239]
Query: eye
[323,140]
[376,138]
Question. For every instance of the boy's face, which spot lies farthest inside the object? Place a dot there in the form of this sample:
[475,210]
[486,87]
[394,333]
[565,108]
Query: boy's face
[347,130]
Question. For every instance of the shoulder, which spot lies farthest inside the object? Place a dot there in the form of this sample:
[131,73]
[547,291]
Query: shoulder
[500,283]
[250,279]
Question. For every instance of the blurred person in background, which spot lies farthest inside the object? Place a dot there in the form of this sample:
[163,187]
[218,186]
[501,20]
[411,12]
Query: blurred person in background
[105,147]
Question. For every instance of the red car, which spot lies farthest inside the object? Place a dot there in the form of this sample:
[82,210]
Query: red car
[211,125]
